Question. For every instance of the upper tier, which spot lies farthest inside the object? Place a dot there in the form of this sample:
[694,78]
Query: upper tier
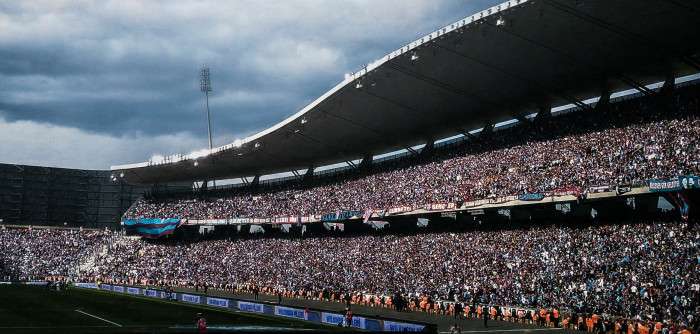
[489,67]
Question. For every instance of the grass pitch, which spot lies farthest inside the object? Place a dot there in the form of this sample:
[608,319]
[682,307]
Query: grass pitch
[34,309]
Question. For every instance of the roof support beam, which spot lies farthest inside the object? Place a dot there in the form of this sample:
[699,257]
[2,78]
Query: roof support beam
[604,101]
[466,133]
[443,85]
[296,174]
[669,84]
[487,130]
[580,104]
[641,88]
[428,148]
[544,110]
[410,149]
[309,173]
[664,99]
[691,61]
[351,164]
[245,180]
[256,181]
[521,118]
[515,76]
[657,48]
[366,160]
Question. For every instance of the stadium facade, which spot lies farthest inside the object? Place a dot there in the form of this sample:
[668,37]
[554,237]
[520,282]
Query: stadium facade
[31,195]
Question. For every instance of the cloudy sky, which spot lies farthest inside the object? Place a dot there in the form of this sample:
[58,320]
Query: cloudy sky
[92,84]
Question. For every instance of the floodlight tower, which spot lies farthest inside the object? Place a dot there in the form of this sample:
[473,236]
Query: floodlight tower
[205,87]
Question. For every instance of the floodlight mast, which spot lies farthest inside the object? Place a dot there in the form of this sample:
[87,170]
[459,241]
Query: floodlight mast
[205,87]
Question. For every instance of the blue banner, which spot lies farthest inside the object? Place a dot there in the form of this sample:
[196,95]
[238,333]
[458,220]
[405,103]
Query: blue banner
[250,307]
[391,326]
[133,291]
[190,298]
[661,185]
[531,197]
[290,312]
[218,302]
[332,318]
[150,293]
[152,227]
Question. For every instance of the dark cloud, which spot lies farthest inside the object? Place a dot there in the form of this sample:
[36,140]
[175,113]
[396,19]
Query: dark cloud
[129,69]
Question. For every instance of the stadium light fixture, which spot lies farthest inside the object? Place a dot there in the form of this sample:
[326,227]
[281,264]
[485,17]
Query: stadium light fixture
[121,175]
[196,163]
[358,85]
[257,145]
[501,21]
[304,121]
[205,87]
[414,56]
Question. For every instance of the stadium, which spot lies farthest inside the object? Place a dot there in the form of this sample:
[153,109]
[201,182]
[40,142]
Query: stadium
[531,167]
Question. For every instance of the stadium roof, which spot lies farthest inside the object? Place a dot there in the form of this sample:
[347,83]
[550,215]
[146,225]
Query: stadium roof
[490,67]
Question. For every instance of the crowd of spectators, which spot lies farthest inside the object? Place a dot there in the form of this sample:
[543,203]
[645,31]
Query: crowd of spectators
[650,271]
[27,254]
[642,271]
[628,144]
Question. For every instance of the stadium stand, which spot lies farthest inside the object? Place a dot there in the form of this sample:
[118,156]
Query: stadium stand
[646,272]
[628,144]
[639,271]
[635,271]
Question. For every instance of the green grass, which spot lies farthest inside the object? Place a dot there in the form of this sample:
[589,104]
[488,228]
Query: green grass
[33,309]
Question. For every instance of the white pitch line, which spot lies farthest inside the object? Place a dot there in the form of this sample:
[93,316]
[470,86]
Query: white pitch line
[51,327]
[524,330]
[96,317]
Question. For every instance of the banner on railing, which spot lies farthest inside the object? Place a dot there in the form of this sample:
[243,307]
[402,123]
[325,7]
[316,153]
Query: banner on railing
[316,316]
[622,189]
[218,302]
[399,209]
[531,197]
[251,307]
[341,215]
[662,185]
[190,298]
[332,318]
[564,191]
[290,312]
[392,326]
[689,181]
[152,227]
[440,206]
[150,293]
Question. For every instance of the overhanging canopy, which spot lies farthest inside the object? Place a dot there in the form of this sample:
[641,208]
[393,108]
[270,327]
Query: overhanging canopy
[489,67]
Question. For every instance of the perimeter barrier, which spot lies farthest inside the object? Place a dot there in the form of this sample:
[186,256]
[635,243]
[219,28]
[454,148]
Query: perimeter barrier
[374,324]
